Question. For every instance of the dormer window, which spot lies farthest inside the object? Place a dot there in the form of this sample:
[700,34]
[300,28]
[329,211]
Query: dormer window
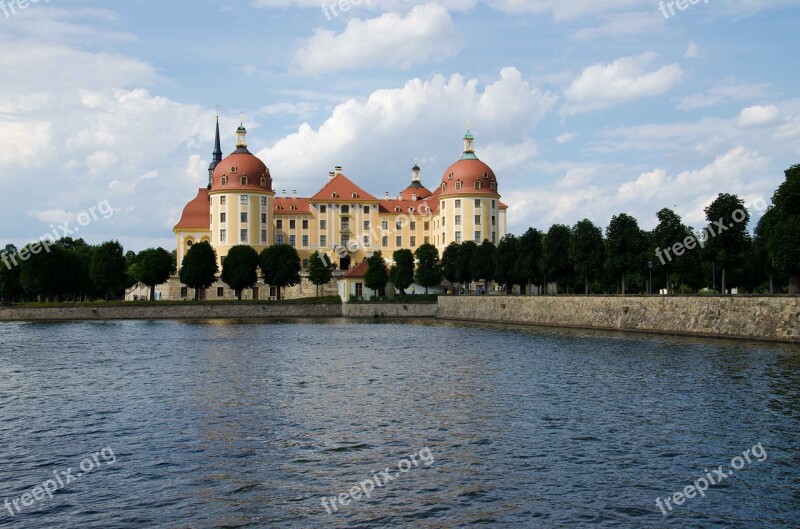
[397,209]
[458,185]
[244,180]
[477,184]
[334,195]
[486,176]
[263,182]
[411,210]
[355,195]
[224,180]
[450,176]
[444,186]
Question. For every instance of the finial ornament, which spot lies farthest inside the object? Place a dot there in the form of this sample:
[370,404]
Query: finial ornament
[217,110]
[469,125]
[241,115]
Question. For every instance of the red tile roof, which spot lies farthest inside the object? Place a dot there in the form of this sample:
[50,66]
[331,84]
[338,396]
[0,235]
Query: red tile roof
[421,207]
[345,190]
[358,271]
[197,213]
[283,206]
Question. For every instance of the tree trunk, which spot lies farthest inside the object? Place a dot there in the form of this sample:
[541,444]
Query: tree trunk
[623,284]
[239,295]
[426,291]
[317,290]
[278,290]
[724,289]
[771,284]
[152,292]
[794,284]
[197,294]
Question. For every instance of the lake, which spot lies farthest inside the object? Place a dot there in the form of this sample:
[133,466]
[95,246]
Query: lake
[343,424]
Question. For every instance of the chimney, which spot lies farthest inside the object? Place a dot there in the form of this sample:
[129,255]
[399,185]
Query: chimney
[400,197]
[338,170]
[331,176]
[283,193]
[413,197]
[294,193]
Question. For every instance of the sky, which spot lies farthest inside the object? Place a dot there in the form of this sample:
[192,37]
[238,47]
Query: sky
[583,108]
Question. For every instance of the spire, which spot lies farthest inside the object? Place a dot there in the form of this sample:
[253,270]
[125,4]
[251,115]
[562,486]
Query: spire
[415,171]
[241,135]
[217,155]
[469,144]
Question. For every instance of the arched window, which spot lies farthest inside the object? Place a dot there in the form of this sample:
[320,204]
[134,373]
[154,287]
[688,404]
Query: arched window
[224,180]
[189,243]
[477,184]
[458,184]
[355,195]
[450,176]
[444,186]
[244,180]
[263,182]
[334,195]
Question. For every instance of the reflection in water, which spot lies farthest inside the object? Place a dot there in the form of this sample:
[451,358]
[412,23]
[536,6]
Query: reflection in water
[232,424]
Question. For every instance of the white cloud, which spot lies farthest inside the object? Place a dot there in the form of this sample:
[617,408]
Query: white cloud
[692,52]
[757,116]
[566,137]
[728,91]
[389,41]
[603,86]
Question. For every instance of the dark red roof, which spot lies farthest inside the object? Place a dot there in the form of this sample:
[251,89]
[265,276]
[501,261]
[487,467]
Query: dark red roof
[291,206]
[197,213]
[345,190]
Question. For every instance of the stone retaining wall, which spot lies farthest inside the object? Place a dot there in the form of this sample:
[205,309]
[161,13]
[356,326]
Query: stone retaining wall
[761,318]
[389,310]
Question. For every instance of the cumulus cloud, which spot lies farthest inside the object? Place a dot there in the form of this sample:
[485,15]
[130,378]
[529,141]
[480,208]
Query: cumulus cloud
[389,41]
[566,137]
[729,90]
[758,116]
[603,86]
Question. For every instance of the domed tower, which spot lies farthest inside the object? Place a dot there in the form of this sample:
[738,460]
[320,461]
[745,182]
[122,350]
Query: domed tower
[241,199]
[469,201]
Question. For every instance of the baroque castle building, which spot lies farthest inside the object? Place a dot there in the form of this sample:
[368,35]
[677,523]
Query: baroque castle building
[342,220]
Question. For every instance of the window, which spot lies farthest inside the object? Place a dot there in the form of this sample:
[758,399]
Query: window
[458,220]
[477,184]
[292,240]
[477,202]
[345,223]
[366,225]
[493,221]
[305,241]
[413,225]
[279,239]
[492,204]
[443,204]
[244,180]
[279,224]
[427,240]
[458,204]
[458,184]
[366,210]
[426,226]
[366,241]
[305,264]
[223,236]
[478,237]
[184,292]
[458,237]
[385,241]
[398,241]
[323,224]
[263,218]
[223,217]
[345,210]
[413,242]
[223,200]
[244,217]
[305,224]
[264,183]
[398,225]
[243,237]
[477,220]
[323,209]
[443,238]
[323,241]
[444,186]
[494,238]
[443,222]
[345,241]
[263,236]
[384,224]
[243,199]
[220,292]
[292,224]
[224,180]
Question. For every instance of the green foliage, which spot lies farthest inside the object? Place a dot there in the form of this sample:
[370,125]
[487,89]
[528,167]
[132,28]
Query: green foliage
[783,237]
[587,251]
[377,276]
[10,286]
[482,265]
[625,247]
[199,268]
[728,238]
[239,268]
[466,252]
[555,253]
[319,270]
[528,265]
[154,266]
[402,272]
[505,261]
[280,266]
[450,262]
[429,269]
[107,268]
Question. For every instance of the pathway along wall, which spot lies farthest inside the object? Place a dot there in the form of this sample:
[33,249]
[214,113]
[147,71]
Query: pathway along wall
[762,318]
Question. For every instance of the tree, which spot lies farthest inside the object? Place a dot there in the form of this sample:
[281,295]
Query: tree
[450,263]
[280,266]
[239,268]
[107,268]
[377,276]
[429,269]
[40,273]
[154,266]
[319,270]
[464,263]
[482,265]
[199,267]
[10,286]
[587,251]
[728,237]
[783,239]
[555,254]
[625,247]
[528,266]
[505,262]
[402,271]
[761,245]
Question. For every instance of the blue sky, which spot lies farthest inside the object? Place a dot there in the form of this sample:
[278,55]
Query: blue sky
[583,108]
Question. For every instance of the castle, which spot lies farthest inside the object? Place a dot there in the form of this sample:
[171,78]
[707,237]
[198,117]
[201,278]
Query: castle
[342,221]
